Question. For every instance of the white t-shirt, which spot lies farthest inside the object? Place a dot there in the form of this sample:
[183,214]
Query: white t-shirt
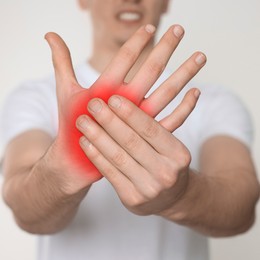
[103,229]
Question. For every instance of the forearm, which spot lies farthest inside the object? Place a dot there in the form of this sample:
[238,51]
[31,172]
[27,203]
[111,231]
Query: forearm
[39,201]
[216,206]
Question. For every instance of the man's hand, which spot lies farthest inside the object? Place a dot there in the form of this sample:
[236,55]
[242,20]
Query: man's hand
[73,99]
[145,163]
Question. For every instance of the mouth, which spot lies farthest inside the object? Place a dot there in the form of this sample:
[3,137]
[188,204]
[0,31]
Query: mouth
[129,16]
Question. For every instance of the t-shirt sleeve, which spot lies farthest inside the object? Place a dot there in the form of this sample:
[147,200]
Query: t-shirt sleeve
[30,106]
[225,114]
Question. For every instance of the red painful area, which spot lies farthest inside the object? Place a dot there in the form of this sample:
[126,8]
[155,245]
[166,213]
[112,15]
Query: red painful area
[76,108]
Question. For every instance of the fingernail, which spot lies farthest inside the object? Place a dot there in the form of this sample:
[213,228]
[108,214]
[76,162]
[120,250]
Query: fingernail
[83,122]
[178,31]
[200,59]
[115,102]
[150,28]
[197,93]
[95,106]
[84,142]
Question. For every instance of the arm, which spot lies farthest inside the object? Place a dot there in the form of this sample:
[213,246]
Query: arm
[221,199]
[42,185]
[34,188]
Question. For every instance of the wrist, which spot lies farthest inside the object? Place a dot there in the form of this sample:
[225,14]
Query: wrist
[58,168]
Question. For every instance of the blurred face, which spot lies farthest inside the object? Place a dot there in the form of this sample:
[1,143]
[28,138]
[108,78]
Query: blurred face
[117,20]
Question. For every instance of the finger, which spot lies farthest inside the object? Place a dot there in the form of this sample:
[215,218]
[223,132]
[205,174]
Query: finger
[163,95]
[113,153]
[125,136]
[130,192]
[114,75]
[156,62]
[182,111]
[64,72]
[110,172]
[144,125]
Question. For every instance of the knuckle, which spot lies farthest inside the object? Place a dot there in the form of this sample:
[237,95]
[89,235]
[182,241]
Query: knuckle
[156,67]
[93,154]
[106,118]
[127,110]
[151,130]
[184,159]
[134,200]
[169,180]
[132,142]
[178,120]
[167,177]
[152,191]
[94,134]
[170,90]
[111,173]
[119,158]
[126,53]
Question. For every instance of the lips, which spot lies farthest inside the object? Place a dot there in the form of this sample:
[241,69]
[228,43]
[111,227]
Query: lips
[129,16]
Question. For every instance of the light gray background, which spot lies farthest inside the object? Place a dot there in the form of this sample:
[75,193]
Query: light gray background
[227,31]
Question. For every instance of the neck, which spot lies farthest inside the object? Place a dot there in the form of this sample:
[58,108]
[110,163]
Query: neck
[103,54]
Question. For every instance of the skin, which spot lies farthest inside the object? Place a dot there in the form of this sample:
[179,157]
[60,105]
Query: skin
[147,166]
[109,30]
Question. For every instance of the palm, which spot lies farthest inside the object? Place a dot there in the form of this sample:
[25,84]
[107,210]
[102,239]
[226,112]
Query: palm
[73,99]
[69,135]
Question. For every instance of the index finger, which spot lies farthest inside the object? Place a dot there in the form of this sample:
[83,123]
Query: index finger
[116,72]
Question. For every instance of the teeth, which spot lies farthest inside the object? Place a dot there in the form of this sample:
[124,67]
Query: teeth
[128,16]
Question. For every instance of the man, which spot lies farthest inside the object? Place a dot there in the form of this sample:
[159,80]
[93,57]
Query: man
[162,193]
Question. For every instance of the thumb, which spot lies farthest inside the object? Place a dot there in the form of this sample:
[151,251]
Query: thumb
[64,72]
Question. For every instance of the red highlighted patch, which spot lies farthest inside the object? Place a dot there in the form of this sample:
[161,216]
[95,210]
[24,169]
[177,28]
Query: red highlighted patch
[71,135]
